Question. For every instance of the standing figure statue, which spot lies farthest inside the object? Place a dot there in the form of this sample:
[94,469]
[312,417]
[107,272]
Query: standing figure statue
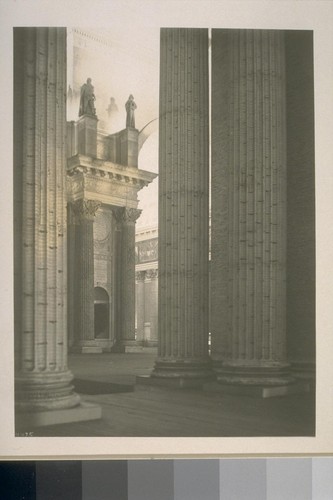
[130,108]
[112,108]
[87,98]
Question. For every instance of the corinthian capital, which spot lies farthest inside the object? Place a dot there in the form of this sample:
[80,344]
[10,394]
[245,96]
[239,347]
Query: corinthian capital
[131,214]
[86,209]
[126,215]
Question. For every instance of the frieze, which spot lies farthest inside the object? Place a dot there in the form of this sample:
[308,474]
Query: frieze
[146,251]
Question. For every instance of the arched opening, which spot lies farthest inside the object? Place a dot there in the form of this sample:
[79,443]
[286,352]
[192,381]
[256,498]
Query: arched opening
[101,310]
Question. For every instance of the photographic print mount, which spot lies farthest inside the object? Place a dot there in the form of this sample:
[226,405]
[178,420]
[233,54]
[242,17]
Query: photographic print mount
[261,349]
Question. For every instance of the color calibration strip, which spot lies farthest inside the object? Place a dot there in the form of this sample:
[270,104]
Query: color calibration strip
[190,479]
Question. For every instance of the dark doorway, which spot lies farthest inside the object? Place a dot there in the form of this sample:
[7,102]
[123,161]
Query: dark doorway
[101,321]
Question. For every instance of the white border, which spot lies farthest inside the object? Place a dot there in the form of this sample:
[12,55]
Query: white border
[273,14]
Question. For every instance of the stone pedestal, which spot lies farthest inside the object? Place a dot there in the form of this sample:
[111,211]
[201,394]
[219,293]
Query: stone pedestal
[183,209]
[248,266]
[129,147]
[84,330]
[87,135]
[42,379]
[124,147]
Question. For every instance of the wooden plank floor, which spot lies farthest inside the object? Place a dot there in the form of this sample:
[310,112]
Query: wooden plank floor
[162,412]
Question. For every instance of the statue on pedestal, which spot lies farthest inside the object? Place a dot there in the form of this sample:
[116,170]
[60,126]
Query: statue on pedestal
[130,108]
[87,98]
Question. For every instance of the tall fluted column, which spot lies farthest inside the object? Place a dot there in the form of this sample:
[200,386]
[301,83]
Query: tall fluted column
[127,317]
[248,268]
[183,207]
[85,211]
[42,379]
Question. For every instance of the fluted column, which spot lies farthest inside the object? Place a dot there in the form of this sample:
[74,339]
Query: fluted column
[183,206]
[248,268]
[42,379]
[127,321]
[151,307]
[140,305]
[85,211]
[71,274]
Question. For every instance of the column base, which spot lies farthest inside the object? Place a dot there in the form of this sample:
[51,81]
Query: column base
[303,371]
[262,379]
[181,374]
[257,390]
[173,383]
[42,391]
[29,420]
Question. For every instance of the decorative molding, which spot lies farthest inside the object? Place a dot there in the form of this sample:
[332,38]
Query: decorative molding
[109,171]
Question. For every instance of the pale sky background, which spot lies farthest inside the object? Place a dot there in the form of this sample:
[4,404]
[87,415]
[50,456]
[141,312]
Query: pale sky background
[118,67]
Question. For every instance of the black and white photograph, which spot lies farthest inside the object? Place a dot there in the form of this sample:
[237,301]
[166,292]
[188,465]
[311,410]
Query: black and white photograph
[165,229]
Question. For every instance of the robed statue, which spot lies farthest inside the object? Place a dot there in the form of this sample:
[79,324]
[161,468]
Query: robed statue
[130,108]
[87,98]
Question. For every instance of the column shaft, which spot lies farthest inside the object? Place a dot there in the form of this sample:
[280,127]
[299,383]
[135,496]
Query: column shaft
[85,211]
[128,276]
[183,205]
[125,279]
[42,377]
[151,312]
[140,306]
[248,273]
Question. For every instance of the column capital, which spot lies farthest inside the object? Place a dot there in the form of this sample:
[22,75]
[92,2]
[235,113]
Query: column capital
[140,275]
[151,274]
[131,215]
[125,215]
[85,209]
